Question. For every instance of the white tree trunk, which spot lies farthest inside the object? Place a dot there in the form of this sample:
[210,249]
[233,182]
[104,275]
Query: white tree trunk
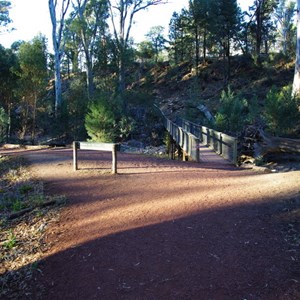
[296,82]
[57,32]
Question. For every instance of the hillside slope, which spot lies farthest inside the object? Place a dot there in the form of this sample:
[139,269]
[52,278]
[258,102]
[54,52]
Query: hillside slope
[179,89]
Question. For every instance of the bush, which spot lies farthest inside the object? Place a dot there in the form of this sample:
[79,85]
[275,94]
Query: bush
[231,114]
[3,124]
[281,111]
[106,122]
[100,121]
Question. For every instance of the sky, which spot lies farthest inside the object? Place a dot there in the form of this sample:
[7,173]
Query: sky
[32,17]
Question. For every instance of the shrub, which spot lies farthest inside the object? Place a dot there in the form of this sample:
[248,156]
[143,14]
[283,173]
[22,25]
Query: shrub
[100,121]
[3,124]
[106,121]
[281,111]
[231,114]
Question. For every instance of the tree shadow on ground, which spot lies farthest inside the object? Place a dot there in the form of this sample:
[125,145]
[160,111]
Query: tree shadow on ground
[238,252]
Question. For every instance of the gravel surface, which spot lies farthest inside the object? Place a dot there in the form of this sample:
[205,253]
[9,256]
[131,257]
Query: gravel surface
[163,229]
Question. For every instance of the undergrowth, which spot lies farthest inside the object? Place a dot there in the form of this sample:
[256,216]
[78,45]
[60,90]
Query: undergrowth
[25,214]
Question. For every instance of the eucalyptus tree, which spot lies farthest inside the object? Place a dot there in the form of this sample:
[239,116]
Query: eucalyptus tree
[145,51]
[72,45]
[8,79]
[156,37]
[90,23]
[122,13]
[33,75]
[58,11]
[284,17]
[4,14]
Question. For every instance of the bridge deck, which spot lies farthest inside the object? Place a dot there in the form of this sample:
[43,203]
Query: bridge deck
[207,155]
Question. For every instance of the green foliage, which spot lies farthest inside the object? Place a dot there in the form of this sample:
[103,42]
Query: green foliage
[260,160]
[3,124]
[253,111]
[281,111]
[77,101]
[25,189]
[231,114]
[284,15]
[180,38]
[4,13]
[100,121]
[17,205]
[106,122]
[145,50]
[156,38]
[33,76]
[11,242]
[126,126]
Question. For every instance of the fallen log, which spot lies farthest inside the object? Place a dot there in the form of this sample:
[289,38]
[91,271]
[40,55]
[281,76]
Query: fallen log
[269,144]
[24,211]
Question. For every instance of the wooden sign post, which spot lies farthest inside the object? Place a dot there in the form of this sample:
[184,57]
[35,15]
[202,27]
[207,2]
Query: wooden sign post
[98,147]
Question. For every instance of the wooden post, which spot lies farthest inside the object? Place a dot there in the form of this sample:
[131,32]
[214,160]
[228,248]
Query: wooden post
[173,149]
[221,144]
[198,150]
[75,161]
[114,159]
[208,137]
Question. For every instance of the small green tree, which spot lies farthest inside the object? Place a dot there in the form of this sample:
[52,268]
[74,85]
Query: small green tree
[282,111]
[231,114]
[106,122]
[100,121]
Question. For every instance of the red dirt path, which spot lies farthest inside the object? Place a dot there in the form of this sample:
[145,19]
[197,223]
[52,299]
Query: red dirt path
[165,229]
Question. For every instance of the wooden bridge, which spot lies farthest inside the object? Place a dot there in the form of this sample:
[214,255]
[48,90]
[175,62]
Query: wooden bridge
[198,142]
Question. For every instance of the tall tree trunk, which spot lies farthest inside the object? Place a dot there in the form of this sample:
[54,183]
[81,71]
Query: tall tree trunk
[204,45]
[296,83]
[197,46]
[123,12]
[57,78]
[57,32]
[259,28]
[90,78]
[33,119]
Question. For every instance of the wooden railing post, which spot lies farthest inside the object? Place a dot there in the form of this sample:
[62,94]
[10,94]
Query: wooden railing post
[197,150]
[221,143]
[208,137]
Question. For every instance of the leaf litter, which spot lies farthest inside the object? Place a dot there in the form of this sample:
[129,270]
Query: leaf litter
[24,218]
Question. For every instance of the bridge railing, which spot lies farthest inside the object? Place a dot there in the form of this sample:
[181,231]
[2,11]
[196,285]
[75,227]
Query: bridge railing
[188,142]
[221,143]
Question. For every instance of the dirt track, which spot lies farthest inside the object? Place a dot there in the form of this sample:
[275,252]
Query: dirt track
[165,229]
